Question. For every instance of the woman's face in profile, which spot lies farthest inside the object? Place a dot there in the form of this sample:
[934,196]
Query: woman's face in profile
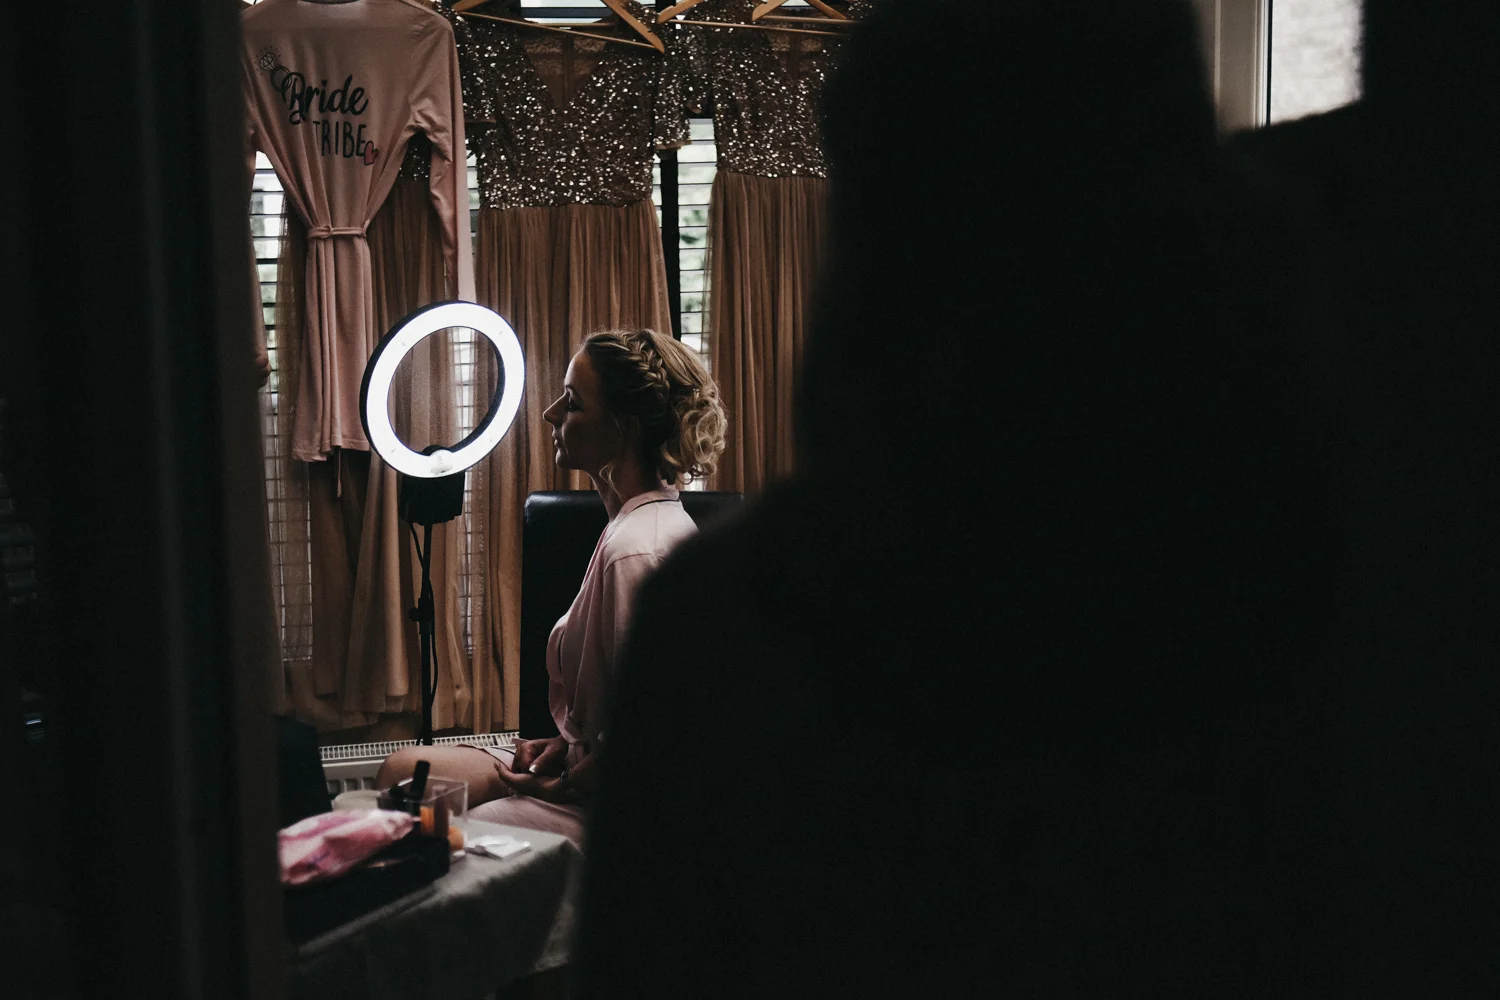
[583,435]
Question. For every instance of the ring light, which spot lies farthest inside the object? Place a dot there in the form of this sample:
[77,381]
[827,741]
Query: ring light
[380,372]
[432,483]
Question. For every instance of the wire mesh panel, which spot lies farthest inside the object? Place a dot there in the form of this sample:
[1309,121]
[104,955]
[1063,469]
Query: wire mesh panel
[266,228]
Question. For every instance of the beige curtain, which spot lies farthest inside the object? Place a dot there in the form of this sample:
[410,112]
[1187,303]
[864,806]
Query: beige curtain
[765,244]
[557,275]
[346,570]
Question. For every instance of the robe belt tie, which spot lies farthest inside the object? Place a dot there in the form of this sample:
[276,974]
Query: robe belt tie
[328,232]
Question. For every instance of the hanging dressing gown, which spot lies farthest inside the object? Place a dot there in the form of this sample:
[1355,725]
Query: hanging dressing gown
[333,93]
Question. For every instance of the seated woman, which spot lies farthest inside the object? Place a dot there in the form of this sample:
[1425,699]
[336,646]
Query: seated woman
[638,413]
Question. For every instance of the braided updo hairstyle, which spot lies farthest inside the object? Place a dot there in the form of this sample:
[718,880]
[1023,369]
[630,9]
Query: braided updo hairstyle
[653,378]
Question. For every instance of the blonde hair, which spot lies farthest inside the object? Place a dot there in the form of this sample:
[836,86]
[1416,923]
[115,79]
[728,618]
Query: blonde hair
[651,377]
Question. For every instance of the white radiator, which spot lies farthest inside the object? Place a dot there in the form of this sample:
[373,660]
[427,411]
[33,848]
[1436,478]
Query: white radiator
[354,765]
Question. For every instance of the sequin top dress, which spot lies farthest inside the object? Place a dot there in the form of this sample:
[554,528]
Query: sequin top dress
[333,93]
[765,88]
[557,120]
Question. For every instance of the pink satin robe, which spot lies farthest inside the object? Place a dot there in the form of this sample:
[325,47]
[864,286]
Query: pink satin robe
[585,645]
[333,93]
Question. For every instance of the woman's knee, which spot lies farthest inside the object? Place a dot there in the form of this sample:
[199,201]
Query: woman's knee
[397,767]
[463,763]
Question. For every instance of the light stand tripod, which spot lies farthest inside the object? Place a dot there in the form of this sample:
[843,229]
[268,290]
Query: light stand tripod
[428,502]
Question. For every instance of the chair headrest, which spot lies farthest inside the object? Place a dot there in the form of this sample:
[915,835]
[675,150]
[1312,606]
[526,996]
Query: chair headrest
[581,507]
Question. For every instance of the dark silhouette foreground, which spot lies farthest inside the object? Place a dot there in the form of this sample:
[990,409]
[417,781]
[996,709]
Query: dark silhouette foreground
[1030,683]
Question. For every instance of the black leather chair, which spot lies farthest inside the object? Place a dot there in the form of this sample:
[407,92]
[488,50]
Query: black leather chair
[558,533]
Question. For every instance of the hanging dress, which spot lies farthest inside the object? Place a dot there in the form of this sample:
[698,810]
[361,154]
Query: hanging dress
[766,227]
[568,244]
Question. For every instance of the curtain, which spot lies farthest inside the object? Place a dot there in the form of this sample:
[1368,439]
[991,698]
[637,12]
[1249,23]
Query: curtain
[765,244]
[556,274]
[345,568]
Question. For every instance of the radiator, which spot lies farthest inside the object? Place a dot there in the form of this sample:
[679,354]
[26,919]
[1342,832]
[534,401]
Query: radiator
[354,765]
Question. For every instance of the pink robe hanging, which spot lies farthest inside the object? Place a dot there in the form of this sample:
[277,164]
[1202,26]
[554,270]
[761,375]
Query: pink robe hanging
[333,93]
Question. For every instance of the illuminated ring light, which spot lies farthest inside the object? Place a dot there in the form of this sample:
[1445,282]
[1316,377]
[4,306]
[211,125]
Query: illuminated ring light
[380,372]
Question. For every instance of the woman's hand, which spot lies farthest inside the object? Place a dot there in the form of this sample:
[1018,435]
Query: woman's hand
[542,757]
[523,782]
[525,753]
[548,788]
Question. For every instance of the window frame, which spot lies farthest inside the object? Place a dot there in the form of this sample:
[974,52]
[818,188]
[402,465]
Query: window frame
[1236,37]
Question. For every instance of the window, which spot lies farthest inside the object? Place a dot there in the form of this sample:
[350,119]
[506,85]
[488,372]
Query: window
[1314,56]
[689,172]
[1274,60]
[266,205]
[693,167]
[682,178]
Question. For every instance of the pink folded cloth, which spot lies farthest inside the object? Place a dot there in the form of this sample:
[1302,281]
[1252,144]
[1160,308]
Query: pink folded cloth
[331,843]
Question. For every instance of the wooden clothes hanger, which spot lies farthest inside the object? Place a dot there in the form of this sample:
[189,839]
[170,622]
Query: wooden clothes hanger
[737,25]
[675,9]
[828,12]
[833,17]
[466,8]
[636,24]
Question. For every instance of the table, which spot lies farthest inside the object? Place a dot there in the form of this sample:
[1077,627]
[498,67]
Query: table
[485,924]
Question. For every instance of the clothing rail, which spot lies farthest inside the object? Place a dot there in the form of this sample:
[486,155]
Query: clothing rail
[758,27]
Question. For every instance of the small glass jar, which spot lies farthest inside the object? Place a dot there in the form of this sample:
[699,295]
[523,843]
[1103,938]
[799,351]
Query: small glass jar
[442,812]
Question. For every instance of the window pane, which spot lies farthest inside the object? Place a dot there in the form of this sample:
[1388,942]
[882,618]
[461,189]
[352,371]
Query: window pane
[697,163]
[1314,56]
[696,173]
[265,203]
[698,154]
